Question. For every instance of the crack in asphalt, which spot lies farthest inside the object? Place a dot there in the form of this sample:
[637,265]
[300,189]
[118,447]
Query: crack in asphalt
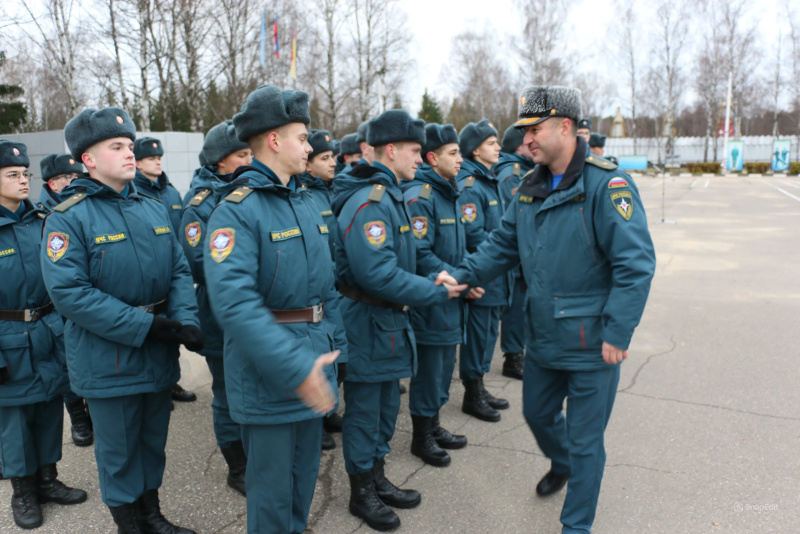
[647,468]
[504,432]
[647,361]
[327,491]
[707,405]
[208,461]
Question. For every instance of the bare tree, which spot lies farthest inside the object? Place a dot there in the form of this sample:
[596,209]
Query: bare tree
[711,74]
[776,89]
[672,30]
[627,54]
[793,16]
[59,50]
[542,56]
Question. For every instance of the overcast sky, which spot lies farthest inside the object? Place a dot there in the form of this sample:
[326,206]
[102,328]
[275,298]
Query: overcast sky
[433,24]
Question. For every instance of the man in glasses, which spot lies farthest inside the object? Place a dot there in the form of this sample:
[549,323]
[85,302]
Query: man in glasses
[58,171]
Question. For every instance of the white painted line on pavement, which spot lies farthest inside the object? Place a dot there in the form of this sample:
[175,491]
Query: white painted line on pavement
[694,183]
[782,191]
[706,184]
[791,184]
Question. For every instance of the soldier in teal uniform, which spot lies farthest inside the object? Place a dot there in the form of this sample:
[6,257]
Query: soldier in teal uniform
[226,153]
[515,162]
[152,180]
[350,153]
[481,209]
[585,296]
[271,286]
[597,144]
[318,180]
[376,266]
[585,128]
[58,171]
[432,204]
[33,372]
[116,272]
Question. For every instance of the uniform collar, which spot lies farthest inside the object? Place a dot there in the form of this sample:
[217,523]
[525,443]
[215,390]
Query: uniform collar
[538,182]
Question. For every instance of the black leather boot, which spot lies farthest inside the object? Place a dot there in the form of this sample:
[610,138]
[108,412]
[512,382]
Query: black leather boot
[327,442]
[424,446]
[391,494]
[24,504]
[364,503]
[125,518]
[152,521]
[551,483]
[181,395]
[444,438]
[50,489]
[236,459]
[491,400]
[475,403]
[513,364]
[332,423]
[81,423]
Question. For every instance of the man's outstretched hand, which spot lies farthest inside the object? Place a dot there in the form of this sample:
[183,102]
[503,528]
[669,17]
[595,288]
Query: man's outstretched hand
[315,391]
[454,289]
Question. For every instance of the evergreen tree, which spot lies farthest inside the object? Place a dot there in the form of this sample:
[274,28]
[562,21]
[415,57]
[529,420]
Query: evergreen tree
[430,111]
[12,112]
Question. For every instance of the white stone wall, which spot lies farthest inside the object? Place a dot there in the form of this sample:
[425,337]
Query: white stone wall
[690,149]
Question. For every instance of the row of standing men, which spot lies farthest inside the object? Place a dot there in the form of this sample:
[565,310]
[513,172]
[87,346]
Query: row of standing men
[262,262]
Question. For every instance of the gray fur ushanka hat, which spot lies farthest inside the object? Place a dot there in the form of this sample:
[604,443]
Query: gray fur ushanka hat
[540,102]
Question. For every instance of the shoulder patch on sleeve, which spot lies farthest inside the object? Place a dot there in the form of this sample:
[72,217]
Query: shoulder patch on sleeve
[239,194]
[617,182]
[221,243]
[469,182]
[71,201]
[377,192]
[57,244]
[470,212]
[376,233]
[425,192]
[601,162]
[623,202]
[420,226]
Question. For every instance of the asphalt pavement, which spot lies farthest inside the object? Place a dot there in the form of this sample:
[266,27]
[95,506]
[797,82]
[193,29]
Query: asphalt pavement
[705,432]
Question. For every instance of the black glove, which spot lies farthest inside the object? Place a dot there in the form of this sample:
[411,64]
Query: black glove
[341,372]
[4,375]
[192,337]
[165,330]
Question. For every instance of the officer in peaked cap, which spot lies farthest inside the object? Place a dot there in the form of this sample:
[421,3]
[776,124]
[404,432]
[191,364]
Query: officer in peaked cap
[585,297]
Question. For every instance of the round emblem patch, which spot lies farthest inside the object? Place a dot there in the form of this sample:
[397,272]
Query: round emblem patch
[16,151]
[119,119]
[57,244]
[221,243]
[376,233]
[193,232]
[327,138]
[420,226]
[155,145]
[522,100]
[469,212]
[71,161]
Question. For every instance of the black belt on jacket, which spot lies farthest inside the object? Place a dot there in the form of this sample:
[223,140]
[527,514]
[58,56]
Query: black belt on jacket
[312,314]
[27,316]
[357,294]
[155,308]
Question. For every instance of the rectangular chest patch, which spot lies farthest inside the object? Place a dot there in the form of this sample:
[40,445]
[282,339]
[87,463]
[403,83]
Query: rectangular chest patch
[525,199]
[323,228]
[326,213]
[493,203]
[447,221]
[162,230]
[7,252]
[405,228]
[177,207]
[111,238]
[282,235]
